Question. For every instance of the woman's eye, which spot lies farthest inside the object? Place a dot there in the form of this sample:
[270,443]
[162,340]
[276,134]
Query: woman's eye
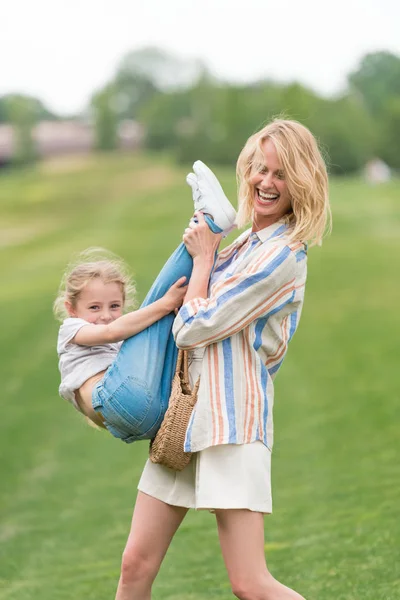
[280,175]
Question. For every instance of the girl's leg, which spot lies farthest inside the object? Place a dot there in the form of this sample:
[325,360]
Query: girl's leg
[139,381]
[157,344]
[241,535]
[154,524]
[151,354]
[178,265]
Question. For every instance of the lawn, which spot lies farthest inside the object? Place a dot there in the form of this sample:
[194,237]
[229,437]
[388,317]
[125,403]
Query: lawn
[67,490]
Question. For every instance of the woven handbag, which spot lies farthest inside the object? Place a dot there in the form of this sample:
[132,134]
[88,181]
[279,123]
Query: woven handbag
[167,447]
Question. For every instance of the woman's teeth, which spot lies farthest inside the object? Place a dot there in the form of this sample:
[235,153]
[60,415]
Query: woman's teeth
[267,198]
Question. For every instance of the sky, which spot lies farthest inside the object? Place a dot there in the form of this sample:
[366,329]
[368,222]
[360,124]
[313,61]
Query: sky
[61,51]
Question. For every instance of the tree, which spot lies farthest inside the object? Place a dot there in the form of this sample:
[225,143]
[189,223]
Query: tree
[39,111]
[105,118]
[143,74]
[133,91]
[23,112]
[3,111]
[376,80]
[389,144]
[164,70]
[164,118]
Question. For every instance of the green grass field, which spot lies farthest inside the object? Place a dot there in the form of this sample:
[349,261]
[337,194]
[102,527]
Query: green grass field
[67,491]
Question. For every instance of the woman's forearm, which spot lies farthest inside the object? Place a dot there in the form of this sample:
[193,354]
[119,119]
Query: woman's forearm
[239,299]
[198,284]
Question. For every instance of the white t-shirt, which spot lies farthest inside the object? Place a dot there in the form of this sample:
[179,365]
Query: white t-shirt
[78,363]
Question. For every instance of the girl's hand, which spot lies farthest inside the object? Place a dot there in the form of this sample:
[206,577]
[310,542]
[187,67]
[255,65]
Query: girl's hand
[173,299]
[200,241]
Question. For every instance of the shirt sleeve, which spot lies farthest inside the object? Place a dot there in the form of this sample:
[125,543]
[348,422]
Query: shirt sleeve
[68,331]
[264,287]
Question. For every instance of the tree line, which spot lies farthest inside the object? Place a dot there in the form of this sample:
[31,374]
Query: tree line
[187,111]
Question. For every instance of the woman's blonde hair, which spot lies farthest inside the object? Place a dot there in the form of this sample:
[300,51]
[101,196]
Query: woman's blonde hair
[88,265]
[305,174]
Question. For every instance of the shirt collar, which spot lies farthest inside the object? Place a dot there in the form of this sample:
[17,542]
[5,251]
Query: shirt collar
[272,231]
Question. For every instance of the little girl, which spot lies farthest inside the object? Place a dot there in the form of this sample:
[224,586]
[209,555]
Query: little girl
[125,387]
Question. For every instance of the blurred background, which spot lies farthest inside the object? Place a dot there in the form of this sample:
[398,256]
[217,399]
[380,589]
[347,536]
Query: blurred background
[103,108]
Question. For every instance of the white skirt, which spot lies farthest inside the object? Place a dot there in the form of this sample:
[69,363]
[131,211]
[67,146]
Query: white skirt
[220,477]
[228,476]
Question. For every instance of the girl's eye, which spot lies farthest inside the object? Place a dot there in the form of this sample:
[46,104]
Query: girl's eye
[115,306]
[94,307]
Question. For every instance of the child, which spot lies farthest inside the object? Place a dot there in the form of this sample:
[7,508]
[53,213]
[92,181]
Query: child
[125,387]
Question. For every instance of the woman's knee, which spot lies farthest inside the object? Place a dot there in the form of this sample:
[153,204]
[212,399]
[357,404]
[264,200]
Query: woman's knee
[137,566]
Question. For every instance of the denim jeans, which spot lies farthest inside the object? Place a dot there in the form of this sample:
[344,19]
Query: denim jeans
[134,392]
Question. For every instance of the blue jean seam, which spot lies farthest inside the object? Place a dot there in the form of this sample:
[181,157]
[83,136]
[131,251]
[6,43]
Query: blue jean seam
[123,412]
[102,401]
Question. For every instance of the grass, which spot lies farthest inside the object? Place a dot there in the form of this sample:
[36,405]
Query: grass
[67,491]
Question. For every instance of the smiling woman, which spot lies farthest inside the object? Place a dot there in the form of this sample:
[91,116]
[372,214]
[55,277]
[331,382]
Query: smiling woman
[283,175]
[238,317]
[271,195]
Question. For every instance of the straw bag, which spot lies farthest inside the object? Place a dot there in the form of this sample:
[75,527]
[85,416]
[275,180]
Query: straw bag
[167,447]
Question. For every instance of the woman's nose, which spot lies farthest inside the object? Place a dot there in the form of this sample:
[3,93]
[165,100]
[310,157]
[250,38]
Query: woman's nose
[267,181]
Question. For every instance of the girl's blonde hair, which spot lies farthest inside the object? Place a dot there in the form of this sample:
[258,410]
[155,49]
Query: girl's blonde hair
[88,265]
[305,173]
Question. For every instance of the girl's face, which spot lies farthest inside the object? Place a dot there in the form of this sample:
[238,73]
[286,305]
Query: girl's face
[271,199]
[98,303]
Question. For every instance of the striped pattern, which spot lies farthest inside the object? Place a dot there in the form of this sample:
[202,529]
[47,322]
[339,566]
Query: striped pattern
[253,309]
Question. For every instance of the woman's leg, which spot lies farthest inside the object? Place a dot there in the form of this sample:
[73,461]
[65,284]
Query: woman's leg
[154,524]
[241,535]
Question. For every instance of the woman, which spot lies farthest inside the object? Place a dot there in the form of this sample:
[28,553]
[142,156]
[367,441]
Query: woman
[238,316]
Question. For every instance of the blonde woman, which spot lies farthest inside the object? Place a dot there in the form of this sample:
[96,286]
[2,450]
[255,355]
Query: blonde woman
[238,317]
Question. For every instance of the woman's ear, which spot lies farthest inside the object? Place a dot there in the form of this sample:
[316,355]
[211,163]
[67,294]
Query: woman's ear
[70,309]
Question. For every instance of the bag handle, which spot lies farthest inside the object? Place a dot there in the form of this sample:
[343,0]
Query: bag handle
[182,367]
[185,366]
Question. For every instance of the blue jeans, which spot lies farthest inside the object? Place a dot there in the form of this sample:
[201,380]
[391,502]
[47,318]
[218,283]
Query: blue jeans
[133,395]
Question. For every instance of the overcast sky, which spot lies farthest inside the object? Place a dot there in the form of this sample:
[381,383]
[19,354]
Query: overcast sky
[62,50]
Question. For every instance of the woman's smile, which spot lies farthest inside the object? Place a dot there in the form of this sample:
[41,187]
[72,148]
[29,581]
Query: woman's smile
[271,194]
[266,198]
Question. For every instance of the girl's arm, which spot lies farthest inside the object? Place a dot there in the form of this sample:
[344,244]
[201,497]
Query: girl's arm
[133,322]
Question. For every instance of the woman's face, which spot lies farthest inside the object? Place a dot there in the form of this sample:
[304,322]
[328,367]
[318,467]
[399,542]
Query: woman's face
[271,200]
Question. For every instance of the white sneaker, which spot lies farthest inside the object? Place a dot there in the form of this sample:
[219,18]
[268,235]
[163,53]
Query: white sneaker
[209,197]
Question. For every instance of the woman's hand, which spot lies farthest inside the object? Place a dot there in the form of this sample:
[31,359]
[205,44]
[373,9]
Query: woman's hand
[200,241]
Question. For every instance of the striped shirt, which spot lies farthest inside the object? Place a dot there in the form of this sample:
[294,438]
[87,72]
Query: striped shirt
[255,299]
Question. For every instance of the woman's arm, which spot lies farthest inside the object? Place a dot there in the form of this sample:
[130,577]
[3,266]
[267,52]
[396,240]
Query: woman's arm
[133,322]
[259,290]
[202,244]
